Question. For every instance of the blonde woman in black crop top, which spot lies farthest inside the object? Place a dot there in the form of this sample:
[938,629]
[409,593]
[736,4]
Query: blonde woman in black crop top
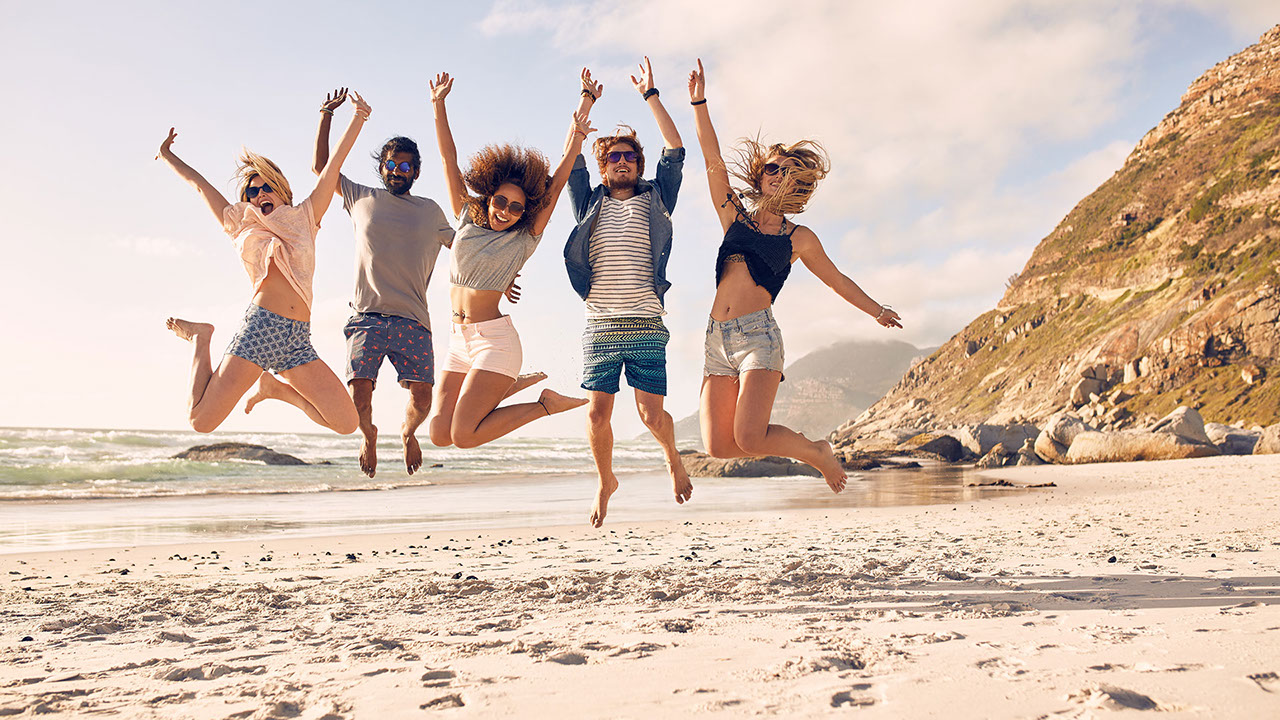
[744,347]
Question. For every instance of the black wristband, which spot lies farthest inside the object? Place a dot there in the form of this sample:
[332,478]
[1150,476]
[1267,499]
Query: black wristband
[588,94]
[651,92]
[703,101]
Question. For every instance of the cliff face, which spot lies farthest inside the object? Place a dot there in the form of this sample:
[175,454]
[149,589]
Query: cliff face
[1159,289]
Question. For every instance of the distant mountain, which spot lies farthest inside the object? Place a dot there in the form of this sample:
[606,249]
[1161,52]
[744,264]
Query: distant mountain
[1159,289]
[828,386]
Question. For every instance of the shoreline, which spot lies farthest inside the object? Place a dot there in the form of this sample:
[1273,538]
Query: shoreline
[968,609]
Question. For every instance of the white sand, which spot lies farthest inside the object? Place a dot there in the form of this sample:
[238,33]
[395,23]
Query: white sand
[1003,608]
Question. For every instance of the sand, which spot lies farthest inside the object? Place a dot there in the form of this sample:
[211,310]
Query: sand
[1127,588]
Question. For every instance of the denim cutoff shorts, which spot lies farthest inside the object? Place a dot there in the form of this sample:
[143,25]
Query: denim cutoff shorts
[271,341]
[748,342]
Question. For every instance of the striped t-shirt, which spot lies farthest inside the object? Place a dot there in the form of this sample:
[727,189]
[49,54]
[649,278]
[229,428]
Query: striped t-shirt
[622,261]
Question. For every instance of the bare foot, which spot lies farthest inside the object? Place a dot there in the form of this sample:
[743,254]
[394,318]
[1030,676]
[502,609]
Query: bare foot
[369,451]
[268,387]
[412,452]
[188,330]
[553,402]
[608,485]
[680,483]
[831,469]
[526,381]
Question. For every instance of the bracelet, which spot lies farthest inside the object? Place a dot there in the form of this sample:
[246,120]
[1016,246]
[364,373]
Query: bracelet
[326,111]
[362,116]
[703,101]
[588,94]
[651,92]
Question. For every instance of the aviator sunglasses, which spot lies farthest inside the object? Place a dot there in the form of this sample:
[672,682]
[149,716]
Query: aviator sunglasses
[500,202]
[403,167]
[252,192]
[630,155]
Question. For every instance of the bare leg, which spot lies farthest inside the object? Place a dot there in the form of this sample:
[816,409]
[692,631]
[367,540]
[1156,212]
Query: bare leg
[415,413]
[313,389]
[600,437]
[477,419]
[213,394]
[719,405]
[526,380]
[663,428]
[756,436]
[440,419]
[362,396]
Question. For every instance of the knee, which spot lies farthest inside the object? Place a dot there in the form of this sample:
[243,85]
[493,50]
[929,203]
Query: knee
[202,424]
[751,443]
[438,431]
[652,417]
[346,424]
[599,416]
[465,440]
[721,448]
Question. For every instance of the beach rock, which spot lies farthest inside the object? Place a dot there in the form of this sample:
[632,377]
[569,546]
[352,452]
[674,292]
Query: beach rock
[1184,422]
[1232,440]
[999,456]
[1092,447]
[980,439]
[944,446]
[702,465]
[1027,454]
[1059,430]
[237,451]
[1269,442]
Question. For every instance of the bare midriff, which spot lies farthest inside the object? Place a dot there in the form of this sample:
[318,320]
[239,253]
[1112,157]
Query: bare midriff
[473,306]
[738,294]
[278,296]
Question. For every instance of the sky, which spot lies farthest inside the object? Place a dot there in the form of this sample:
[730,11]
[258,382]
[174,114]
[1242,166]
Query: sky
[960,134]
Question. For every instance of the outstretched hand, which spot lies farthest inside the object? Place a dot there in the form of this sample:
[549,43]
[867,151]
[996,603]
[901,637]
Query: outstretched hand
[888,318]
[334,99]
[362,107]
[440,87]
[596,89]
[698,84]
[644,83]
[582,125]
[164,146]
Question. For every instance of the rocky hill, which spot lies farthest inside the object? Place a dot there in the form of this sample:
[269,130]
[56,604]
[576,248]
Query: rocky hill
[1157,290]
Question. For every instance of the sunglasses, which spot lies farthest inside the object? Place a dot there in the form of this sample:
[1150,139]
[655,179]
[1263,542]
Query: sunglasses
[403,167]
[252,192]
[775,168]
[501,202]
[630,156]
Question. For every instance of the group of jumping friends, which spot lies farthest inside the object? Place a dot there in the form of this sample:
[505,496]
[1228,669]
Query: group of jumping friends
[616,257]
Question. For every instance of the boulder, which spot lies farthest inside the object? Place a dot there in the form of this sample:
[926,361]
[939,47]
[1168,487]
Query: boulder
[1269,442]
[1184,422]
[999,456]
[1232,440]
[237,451]
[1027,454]
[702,465]
[1085,389]
[944,446]
[980,439]
[1092,447]
[1050,450]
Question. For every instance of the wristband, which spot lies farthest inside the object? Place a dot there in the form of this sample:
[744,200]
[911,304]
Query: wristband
[651,92]
[703,101]
[362,116]
[588,94]
[326,111]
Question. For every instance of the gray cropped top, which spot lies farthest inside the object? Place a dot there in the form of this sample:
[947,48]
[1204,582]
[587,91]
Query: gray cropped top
[485,259]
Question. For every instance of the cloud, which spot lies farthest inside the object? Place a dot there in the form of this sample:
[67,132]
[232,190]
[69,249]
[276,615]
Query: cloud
[160,247]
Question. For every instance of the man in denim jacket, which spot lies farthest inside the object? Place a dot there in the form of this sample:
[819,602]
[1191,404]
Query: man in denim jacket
[617,261]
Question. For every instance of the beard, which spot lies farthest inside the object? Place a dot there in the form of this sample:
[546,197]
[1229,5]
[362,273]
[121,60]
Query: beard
[396,184]
[626,183]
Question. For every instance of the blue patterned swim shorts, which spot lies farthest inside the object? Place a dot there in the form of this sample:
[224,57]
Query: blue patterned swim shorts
[373,337]
[637,343]
[271,341]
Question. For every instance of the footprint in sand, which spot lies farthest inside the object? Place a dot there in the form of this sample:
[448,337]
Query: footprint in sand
[438,678]
[847,697]
[443,702]
[1268,681]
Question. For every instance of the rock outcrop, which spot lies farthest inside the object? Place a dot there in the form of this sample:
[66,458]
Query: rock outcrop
[237,451]
[1130,445]
[702,465]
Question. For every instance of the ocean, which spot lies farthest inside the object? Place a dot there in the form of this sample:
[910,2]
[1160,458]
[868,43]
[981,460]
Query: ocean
[70,488]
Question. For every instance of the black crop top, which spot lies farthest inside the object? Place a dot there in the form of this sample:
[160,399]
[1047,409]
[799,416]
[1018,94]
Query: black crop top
[768,257]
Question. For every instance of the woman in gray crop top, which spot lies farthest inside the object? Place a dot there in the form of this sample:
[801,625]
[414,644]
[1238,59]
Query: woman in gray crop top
[499,228]
[744,357]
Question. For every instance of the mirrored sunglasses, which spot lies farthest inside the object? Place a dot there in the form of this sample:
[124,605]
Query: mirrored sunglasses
[630,156]
[403,167]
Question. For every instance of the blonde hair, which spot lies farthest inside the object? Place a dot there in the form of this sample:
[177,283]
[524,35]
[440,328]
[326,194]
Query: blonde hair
[797,185]
[252,165]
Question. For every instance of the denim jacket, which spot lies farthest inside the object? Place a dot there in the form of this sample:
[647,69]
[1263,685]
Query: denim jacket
[586,209]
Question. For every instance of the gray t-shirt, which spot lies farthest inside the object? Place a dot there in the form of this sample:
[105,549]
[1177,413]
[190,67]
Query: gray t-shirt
[485,259]
[398,238]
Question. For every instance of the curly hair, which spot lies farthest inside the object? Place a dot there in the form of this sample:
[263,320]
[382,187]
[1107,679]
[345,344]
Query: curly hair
[624,134]
[252,165]
[797,185]
[494,165]
[395,145]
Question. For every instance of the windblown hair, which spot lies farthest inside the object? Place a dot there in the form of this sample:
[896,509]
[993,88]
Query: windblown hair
[252,165]
[398,144]
[624,134]
[797,185]
[494,165]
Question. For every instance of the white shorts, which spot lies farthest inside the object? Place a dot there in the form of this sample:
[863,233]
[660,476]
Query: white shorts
[492,345]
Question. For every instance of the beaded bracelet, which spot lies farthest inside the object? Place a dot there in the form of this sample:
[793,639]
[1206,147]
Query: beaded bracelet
[588,94]
[651,92]
[326,111]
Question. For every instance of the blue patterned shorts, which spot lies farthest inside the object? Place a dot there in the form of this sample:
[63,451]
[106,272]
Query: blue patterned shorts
[637,343]
[373,337]
[272,342]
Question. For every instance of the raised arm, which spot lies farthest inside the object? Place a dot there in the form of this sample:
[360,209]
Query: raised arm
[644,85]
[454,186]
[327,185]
[578,131]
[717,173]
[591,92]
[214,199]
[321,155]
[809,248]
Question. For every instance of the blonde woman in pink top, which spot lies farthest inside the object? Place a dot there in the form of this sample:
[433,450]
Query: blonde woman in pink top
[276,243]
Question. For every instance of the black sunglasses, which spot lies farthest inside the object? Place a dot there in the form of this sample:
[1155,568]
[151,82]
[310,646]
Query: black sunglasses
[775,168]
[500,202]
[630,155]
[252,192]
[403,167]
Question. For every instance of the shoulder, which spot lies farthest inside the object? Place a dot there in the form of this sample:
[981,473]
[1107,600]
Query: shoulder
[803,239]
